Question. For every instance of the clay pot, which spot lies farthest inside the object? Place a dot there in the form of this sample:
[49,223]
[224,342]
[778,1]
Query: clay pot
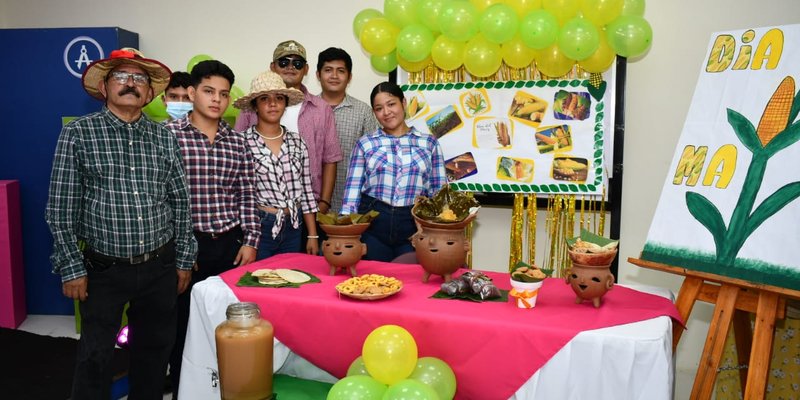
[441,248]
[343,248]
[590,282]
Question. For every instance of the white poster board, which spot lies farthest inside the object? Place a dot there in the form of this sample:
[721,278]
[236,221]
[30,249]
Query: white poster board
[545,136]
[729,203]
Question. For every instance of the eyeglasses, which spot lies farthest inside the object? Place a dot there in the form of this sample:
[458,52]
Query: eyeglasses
[122,77]
[297,63]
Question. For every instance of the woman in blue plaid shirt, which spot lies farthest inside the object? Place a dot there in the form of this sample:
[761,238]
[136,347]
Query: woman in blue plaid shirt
[389,168]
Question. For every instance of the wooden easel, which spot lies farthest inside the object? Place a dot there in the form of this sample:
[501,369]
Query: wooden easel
[734,300]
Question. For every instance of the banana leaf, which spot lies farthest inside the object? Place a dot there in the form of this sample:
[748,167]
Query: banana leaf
[447,198]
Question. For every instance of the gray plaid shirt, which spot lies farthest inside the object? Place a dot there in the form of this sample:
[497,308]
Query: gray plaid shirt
[354,118]
[120,187]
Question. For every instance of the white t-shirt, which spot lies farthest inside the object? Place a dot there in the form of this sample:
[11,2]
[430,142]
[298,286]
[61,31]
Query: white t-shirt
[290,117]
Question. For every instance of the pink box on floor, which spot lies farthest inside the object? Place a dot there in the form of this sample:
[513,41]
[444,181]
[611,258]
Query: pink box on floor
[12,278]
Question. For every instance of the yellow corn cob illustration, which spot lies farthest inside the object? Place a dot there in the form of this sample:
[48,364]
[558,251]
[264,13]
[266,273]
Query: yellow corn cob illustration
[776,114]
[531,108]
[412,107]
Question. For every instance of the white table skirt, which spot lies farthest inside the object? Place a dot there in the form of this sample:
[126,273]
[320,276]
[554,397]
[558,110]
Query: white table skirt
[632,361]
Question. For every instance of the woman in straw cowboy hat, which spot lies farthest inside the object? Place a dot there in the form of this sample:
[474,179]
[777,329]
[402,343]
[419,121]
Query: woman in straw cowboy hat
[283,176]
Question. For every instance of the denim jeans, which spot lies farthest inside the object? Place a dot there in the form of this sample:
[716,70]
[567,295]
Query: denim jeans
[287,241]
[388,235]
[150,288]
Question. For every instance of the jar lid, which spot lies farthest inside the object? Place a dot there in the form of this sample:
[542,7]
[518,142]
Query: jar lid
[243,310]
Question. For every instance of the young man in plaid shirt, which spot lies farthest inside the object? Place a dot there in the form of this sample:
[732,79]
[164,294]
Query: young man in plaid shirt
[219,170]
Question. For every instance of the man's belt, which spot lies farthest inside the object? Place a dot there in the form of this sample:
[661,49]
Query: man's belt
[217,235]
[132,260]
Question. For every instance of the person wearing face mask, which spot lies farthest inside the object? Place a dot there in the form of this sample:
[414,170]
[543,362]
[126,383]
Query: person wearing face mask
[176,95]
[388,169]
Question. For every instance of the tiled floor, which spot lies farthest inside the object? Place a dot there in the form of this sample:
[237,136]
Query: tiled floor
[56,325]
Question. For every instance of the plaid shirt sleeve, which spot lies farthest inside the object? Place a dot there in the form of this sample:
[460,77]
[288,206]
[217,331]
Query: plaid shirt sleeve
[247,202]
[308,203]
[178,198]
[64,205]
[245,120]
[355,177]
[438,173]
[333,150]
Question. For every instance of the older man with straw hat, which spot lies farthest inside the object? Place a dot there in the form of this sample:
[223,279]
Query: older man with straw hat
[119,214]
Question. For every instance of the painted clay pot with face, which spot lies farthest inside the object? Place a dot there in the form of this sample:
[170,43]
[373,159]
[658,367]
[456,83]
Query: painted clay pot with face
[343,248]
[590,282]
[440,251]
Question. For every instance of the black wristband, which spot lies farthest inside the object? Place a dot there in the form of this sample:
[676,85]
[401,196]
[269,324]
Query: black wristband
[325,202]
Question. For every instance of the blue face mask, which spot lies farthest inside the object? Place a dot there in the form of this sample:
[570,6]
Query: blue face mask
[177,109]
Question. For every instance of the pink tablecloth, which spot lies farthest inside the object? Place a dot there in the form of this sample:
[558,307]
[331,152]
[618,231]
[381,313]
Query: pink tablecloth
[492,347]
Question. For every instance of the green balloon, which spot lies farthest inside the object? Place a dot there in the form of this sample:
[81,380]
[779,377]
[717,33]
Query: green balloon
[410,389]
[629,35]
[414,43]
[385,64]
[156,109]
[578,39]
[428,12]
[357,387]
[499,23]
[436,374]
[196,59]
[539,29]
[362,17]
[379,36]
[459,20]
[231,111]
[482,58]
[400,12]
[633,7]
[357,367]
[447,54]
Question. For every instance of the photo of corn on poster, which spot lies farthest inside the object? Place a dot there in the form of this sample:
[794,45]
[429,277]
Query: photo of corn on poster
[544,136]
[730,203]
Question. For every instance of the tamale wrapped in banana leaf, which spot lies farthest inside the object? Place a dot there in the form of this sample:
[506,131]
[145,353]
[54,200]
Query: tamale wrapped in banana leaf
[447,205]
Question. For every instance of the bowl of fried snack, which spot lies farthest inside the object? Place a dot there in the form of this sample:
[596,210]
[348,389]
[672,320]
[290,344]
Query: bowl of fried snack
[369,287]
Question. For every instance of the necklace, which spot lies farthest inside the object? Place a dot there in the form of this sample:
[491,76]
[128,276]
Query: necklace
[270,137]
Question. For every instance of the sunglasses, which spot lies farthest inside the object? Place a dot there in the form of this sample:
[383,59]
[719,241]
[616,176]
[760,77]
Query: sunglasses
[297,63]
[122,77]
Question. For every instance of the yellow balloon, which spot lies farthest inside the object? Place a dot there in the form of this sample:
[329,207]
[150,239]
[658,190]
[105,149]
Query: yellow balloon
[516,54]
[379,36]
[602,58]
[601,12]
[482,57]
[390,354]
[409,66]
[564,10]
[447,54]
[523,7]
[551,62]
[484,4]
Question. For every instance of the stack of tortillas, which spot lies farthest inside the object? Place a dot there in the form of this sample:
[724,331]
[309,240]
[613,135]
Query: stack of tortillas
[280,276]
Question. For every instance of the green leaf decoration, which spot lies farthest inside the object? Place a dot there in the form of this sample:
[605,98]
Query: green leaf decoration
[783,140]
[744,130]
[598,92]
[771,205]
[708,215]
[591,237]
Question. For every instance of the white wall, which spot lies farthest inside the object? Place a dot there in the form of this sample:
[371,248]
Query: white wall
[243,34]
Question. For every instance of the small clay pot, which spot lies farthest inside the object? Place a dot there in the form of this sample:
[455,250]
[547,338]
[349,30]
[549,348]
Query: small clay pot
[343,252]
[441,248]
[590,282]
[344,230]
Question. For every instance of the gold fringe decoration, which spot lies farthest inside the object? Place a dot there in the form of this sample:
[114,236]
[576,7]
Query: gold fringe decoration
[515,242]
[531,228]
[468,233]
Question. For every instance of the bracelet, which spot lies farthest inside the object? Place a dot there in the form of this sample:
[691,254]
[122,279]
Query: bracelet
[324,202]
[313,237]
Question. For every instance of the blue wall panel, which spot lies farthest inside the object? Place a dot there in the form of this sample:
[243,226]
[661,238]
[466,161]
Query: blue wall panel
[42,86]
